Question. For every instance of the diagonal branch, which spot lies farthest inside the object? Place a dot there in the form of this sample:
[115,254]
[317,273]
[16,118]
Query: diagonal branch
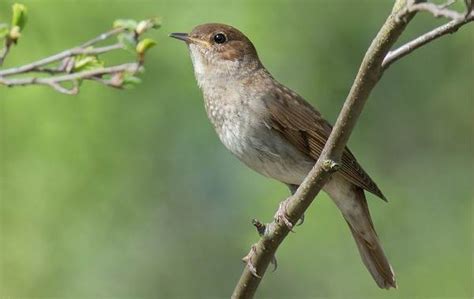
[369,73]
[377,59]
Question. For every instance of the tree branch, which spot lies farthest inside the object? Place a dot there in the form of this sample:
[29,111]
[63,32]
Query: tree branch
[82,62]
[370,71]
[422,40]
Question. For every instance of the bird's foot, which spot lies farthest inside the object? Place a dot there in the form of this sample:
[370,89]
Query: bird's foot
[248,261]
[301,221]
[281,215]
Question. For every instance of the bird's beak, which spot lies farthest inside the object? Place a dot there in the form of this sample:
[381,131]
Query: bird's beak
[180,36]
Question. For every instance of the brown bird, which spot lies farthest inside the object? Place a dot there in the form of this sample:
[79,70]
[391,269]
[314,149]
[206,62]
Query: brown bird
[276,132]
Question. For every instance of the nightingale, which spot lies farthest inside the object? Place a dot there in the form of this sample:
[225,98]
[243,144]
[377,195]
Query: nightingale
[275,132]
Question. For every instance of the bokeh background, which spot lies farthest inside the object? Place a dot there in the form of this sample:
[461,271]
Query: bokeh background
[129,194]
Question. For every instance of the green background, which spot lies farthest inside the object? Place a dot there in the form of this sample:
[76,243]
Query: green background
[129,194]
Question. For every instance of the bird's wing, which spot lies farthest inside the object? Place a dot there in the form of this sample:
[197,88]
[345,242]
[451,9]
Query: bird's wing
[304,127]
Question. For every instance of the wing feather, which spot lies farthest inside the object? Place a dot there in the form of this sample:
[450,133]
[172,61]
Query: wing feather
[306,129]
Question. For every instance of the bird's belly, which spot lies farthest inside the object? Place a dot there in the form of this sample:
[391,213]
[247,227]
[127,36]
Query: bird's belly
[265,151]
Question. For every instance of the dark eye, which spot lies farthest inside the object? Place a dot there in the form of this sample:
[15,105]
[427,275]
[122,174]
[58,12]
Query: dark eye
[220,38]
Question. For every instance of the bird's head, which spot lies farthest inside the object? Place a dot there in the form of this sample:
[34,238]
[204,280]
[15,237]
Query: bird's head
[218,49]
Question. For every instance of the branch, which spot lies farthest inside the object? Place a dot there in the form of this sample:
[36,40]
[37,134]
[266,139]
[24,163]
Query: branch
[422,40]
[376,60]
[34,66]
[94,74]
[6,49]
[82,62]
[437,11]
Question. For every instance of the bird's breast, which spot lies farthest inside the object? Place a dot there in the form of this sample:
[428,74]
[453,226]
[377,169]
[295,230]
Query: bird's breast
[242,128]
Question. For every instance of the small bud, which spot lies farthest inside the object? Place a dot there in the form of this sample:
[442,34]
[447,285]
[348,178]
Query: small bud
[145,45]
[15,33]
[142,27]
[19,16]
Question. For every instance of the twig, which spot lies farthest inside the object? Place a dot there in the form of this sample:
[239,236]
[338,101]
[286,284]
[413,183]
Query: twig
[55,81]
[5,50]
[370,72]
[57,57]
[61,67]
[422,40]
[437,11]
[103,37]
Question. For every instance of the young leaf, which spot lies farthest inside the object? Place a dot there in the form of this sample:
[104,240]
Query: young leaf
[125,23]
[144,25]
[156,22]
[84,63]
[145,45]
[19,15]
[130,81]
[128,41]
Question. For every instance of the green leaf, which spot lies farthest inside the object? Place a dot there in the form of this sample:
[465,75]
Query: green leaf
[85,63]
[156,22]
[4,30]
[145,45]
[19,15]
[125,23]
[128,41]
[130,81]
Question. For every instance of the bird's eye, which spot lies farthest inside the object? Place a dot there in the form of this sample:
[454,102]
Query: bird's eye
[220,38]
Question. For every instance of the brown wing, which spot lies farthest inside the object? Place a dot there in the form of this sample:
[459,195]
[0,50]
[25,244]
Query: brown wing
[304,127]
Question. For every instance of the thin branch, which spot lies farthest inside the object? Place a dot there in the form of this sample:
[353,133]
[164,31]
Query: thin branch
[55,81]
[57,57]
[5,50]
[103,37]
[376,60]
[64,66]
[422,40]
[438,11]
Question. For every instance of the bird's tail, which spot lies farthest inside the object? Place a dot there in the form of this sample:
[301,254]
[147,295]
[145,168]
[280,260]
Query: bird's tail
[368,243]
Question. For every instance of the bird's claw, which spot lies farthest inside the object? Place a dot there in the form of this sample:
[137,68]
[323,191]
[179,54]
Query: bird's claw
[301,221]
[248,261]
[281,215]
[274,263]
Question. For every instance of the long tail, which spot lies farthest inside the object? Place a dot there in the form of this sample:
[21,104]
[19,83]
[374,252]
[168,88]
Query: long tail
[356,213]
[369,246]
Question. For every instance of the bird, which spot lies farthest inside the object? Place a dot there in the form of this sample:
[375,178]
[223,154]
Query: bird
[277,133]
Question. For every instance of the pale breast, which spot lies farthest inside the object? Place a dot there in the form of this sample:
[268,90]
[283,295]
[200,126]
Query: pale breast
[243,131]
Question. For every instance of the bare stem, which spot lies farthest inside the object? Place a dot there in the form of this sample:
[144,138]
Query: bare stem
[57,57]
[5,50]
[422,40]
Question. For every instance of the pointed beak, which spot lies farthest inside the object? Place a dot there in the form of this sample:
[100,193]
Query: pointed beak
[180,36]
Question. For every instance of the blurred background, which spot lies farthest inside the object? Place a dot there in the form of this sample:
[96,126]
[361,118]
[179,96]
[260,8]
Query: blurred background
[129,194]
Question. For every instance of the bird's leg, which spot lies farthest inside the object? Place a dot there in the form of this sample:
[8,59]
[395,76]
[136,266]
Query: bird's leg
[281,215]
[293,189]
[248,260]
